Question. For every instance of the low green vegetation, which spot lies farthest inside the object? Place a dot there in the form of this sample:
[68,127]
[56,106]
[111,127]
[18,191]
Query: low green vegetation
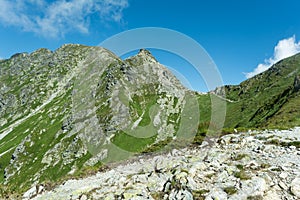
[200,194]
[240,167]
[241,156]
[230,190]
[141,105]
[284,144]
[157,195]
[130,143]
[242,174]
[268,100]
[157,146]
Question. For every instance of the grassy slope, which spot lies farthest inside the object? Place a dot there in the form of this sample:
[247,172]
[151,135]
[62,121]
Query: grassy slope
[43,130]
[288,116]
[266,100]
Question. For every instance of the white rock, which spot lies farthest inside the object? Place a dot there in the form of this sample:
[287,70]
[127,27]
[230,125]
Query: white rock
[204,144]
[196,169]
[293,148]
[268,179]
[225,140]
[175,152]
[231,169]
[32,191]
[184,194]
[283,185]
[284,175]
[295,187]
[83,197]
[254,187]
[40,189]
[191,183]
[271,195]
[222,177]
[216,193]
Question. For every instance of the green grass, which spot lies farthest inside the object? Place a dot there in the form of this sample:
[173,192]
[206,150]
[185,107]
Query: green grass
[42,142]
[241,156]
[240,167]
[200,194]
[267,100]
[141,105]
[242,174]
[157,195]
[130,143]
[284,144]
[204,102]
[230,190]
[30,167]
[157,146]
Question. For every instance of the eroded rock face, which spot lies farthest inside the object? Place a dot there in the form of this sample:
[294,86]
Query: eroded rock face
[253,165]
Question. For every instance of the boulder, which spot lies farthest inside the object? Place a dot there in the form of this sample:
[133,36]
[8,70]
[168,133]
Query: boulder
[295,187]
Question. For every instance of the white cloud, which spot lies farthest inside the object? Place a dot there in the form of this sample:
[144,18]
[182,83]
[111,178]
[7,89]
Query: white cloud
[59,17]
[285,48]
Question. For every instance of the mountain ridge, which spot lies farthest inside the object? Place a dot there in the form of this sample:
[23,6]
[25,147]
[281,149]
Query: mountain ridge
[83,106]
[76,119]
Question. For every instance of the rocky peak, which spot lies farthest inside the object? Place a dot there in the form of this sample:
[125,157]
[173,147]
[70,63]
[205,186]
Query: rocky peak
[43,50]
[19,55]
[70,46]
[145,54]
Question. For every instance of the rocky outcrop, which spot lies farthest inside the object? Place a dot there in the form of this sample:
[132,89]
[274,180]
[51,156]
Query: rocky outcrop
[252,165]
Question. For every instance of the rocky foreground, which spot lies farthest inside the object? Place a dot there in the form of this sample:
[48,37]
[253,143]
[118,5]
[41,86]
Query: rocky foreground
[253,165]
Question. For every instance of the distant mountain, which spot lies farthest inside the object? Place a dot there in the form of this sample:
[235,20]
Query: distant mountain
[65,113]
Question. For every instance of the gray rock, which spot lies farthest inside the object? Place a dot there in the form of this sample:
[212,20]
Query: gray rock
[250,188]
[207,173]
[30,193]
[283,185]
[283,175]
[295,187]
[216,193]
[271,195]
[83,197]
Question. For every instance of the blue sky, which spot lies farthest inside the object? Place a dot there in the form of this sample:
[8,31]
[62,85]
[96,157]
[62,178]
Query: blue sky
[241,36]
